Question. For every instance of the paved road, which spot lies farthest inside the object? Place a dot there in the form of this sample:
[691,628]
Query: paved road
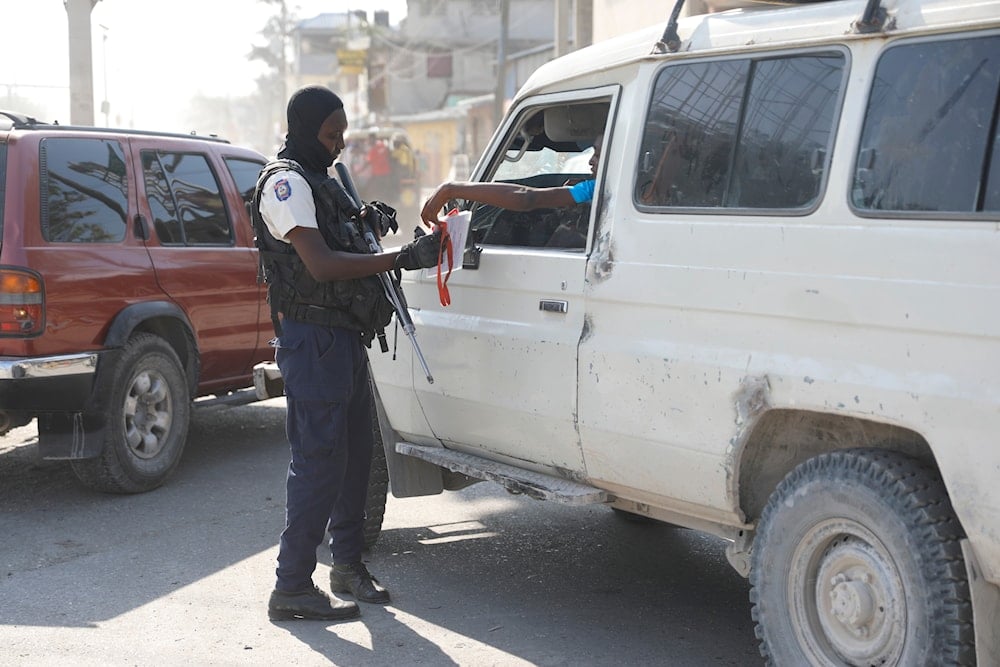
[181,575]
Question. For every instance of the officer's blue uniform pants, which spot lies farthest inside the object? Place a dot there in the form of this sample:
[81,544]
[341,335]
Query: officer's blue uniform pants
[329,429]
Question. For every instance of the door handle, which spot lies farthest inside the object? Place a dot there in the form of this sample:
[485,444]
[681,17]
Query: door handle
[553,306]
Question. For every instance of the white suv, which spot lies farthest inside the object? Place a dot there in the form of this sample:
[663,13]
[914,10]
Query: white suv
[778,323]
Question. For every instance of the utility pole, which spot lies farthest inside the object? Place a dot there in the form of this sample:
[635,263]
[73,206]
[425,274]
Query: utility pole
[561,28]
[583,23]
[500,93]
[581,18]
[283,55]
[81,62]
[105,104]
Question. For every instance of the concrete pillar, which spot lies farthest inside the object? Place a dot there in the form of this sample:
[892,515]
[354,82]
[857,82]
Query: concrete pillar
[500,92]
[81,65]
[561,28]
[583,23]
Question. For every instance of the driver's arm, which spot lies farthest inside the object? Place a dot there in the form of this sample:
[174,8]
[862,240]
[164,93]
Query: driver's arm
[510,196]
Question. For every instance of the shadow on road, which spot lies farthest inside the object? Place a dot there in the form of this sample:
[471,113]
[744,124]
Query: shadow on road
[547,584]
[224,503]
[472,573]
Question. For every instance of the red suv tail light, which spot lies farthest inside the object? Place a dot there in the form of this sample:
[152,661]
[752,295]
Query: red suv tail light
[22,303]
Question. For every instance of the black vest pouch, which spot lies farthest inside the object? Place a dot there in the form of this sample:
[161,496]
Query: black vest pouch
[369,303]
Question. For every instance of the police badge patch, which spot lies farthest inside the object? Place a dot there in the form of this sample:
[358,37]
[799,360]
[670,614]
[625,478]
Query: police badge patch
[283,189]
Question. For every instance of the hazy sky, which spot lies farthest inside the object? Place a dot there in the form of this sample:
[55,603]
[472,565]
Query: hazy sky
[159,52]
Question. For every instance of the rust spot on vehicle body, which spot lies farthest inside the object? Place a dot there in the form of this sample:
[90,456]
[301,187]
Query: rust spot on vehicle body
[750,400]
[601,258]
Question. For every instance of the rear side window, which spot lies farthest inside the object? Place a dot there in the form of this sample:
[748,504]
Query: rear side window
[245,173]
[930,141]
[743,134]
[185,199]
[84,190]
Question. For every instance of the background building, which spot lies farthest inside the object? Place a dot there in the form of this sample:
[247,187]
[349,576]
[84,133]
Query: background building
[446,73]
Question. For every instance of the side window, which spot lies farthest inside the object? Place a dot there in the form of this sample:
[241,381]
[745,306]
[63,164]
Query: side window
[166,222]
[787,128]
[747,134]
[549,147]
[84,190]
[930,130]
[245,173]
[687,145]
[185,199]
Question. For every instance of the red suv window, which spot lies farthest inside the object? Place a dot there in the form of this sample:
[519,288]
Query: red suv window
[185,199]
[245,173]
[84,190]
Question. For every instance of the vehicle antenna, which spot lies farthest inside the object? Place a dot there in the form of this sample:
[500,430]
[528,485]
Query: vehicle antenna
[670,41]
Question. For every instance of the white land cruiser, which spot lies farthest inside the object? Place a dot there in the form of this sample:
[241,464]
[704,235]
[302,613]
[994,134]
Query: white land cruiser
[779,322]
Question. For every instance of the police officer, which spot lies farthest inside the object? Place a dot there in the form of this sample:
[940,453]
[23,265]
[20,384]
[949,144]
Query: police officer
[326,305]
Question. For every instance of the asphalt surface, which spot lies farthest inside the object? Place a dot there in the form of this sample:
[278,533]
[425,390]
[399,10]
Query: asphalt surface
[181,575]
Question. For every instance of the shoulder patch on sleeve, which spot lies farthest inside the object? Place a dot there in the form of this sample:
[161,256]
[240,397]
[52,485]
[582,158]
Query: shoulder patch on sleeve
[282,189]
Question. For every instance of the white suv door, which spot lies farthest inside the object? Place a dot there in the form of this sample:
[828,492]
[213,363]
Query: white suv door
[504,353]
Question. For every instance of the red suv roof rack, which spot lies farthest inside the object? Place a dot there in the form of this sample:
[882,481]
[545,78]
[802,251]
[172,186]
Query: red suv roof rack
[21,121]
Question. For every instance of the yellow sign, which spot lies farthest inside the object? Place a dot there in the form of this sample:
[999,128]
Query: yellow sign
[352,61]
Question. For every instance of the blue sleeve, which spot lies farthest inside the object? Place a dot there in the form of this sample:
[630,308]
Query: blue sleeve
[583,191]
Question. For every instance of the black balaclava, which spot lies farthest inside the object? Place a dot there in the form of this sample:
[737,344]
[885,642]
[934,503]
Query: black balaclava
[307,109]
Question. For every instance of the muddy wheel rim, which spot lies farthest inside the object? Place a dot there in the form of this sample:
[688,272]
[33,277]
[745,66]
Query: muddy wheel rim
[848,596]
[148,414]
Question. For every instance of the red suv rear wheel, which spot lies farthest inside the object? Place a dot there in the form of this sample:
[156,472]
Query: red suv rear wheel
[147,420]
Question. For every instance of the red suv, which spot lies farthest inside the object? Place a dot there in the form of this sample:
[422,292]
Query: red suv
[127,288]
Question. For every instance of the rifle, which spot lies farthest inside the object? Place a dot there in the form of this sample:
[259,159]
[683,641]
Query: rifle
[389,285]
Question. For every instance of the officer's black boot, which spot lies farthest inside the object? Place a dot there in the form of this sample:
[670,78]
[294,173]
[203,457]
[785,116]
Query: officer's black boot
[355,579]
[312,604]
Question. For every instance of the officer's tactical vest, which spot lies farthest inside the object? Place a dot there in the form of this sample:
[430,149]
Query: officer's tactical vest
[359,304]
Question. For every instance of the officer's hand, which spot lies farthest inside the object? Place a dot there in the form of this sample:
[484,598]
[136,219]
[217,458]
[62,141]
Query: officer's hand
[421,253]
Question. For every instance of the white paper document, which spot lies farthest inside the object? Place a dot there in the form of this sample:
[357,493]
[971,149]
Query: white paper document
[458,228]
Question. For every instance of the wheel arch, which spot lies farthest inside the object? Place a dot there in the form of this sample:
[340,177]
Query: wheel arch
[780,439]
[166,320]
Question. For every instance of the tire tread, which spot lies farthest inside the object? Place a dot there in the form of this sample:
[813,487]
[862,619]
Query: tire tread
[917,492]
[378,486]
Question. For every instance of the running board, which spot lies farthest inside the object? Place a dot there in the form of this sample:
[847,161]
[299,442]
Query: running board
[534,484]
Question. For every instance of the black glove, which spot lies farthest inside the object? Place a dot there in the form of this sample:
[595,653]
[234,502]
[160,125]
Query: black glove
[421,253]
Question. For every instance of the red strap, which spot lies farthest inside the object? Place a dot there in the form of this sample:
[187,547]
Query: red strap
[445,250]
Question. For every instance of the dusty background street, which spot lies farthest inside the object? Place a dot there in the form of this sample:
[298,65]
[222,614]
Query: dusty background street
[181,575]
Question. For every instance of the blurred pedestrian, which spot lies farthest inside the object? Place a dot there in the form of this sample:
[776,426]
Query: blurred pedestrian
[379,169]
[404,162]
